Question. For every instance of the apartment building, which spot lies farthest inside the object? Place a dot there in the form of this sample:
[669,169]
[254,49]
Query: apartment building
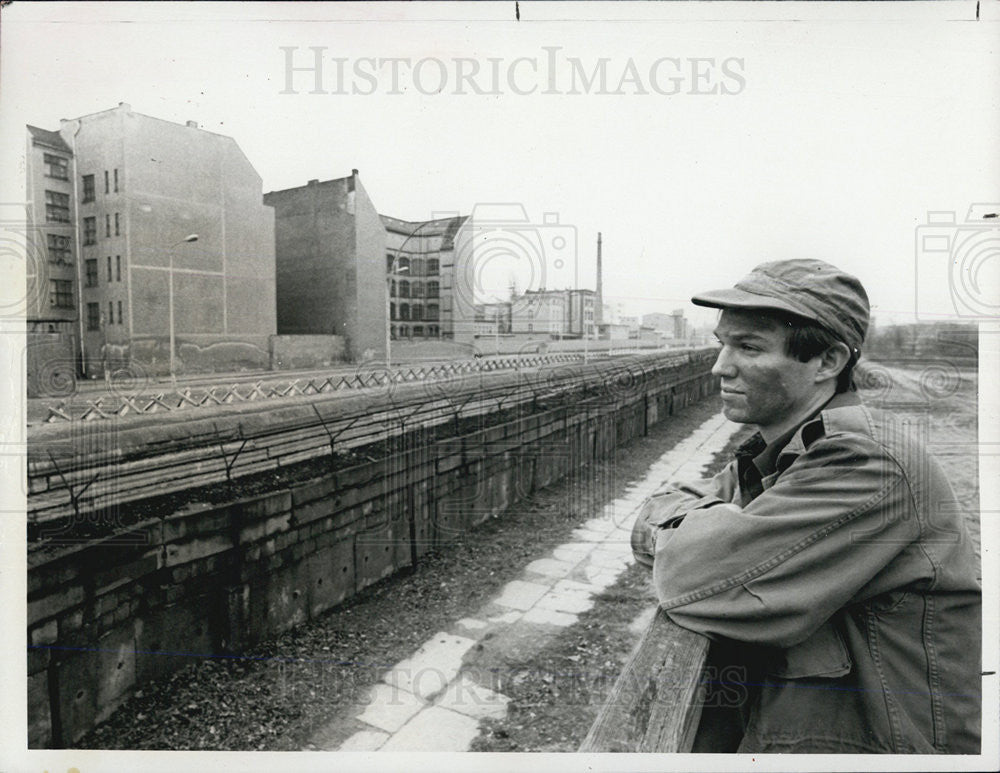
[172,246]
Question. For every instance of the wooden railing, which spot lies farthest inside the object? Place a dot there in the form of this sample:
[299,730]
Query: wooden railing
[656,703]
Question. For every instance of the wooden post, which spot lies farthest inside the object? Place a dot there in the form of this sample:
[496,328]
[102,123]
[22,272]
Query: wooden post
[656,703]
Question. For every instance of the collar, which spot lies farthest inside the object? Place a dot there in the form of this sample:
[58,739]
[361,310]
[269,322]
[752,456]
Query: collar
[765,456]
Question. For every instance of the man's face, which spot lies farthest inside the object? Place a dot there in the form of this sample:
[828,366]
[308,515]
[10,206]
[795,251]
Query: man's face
[761,384]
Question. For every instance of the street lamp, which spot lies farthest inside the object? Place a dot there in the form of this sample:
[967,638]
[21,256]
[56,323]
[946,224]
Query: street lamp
[170,296]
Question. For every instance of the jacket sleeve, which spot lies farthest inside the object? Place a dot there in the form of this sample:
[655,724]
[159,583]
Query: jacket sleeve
[775,571]
[667,506]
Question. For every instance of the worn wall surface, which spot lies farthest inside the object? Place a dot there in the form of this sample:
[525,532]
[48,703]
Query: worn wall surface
[306,351]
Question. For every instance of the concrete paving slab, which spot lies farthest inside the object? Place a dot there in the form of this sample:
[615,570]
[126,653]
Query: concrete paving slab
[364,741]
[519,594]
[572,586]
[466,697]
[588,535]
[428,670]
[550,567]
[572,602]
[613,563]
[601,525]
[572,552]
[390,708]
[435,729]
[550,617]
[506,618]
[471,624]
[600,577]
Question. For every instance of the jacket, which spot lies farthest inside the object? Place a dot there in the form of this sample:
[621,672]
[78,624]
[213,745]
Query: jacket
[841,589]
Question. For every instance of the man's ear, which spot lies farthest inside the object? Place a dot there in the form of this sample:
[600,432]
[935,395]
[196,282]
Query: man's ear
[832,361]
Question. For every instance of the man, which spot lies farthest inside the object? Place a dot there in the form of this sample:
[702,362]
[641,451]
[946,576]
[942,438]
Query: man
[828,563]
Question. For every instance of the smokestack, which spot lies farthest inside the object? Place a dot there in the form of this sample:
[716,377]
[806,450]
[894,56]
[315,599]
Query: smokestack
[599,311]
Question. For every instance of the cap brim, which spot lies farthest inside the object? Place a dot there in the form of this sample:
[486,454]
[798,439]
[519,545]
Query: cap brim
[733,298]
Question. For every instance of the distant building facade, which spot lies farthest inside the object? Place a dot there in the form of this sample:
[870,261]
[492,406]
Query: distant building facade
[52,282]
[330,264]
[662,322]
[139,190]
[539,311]
[493,318]
[581,313]
[673,325]
[422,262]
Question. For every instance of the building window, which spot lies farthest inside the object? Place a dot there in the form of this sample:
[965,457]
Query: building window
[389,260]
[432,311]
[117,228]
[109,269]
[417,267]
[531,328]
[433,331]
[418,312]
[93,316]
[90,230]
[404,312]
[56,166]
[59,251]
[116,190]
[392,286]
[417,289]
[88,188]
[56,207]
[404,289]
[61,293]
[404,331]
[418,330]
[433,267]
[392,311]
[106,186]
[107,226]
[119,312]
[118,268]
[403,265]
[433,290]
[91,264]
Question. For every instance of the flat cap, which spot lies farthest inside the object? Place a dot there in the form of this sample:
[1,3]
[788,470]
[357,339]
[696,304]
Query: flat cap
[807,288]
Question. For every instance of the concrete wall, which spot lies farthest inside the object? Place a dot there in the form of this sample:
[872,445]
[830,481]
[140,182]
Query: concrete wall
[105,617]
[50,364]
[294,352]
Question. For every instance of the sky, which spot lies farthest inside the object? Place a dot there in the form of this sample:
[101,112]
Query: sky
[830,136]
[829,131]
